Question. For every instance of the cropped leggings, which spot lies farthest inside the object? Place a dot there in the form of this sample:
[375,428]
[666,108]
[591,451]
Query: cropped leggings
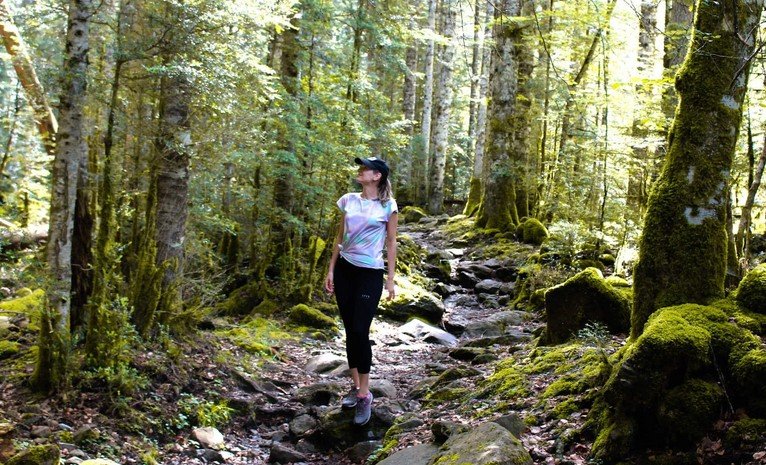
[357,291]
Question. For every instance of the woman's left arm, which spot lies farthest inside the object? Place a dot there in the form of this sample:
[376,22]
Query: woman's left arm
[393,221]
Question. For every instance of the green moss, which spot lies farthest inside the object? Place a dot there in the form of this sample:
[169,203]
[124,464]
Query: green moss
[302,314]
[411,214]
[508,382]
[751,293]
[607,259]
[566,408]
[266,308]
[243,300]
[29,303]
[688,411]
[474,197]
[532,231]
[750,375]
[446,394]
[8,349]
[37,455]
[587,263]
[257,336]
[409,255]
[746,432]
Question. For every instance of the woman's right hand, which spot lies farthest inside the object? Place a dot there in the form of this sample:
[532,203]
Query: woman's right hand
[329,283]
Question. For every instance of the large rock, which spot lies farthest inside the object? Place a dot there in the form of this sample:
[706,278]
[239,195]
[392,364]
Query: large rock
[324,393]
[412,301]
[324,363]
[208,437]
[487,444]
[428,333]
[337,431]
[415,455]
[497,324]
[281,453]
[584,298]
[532,231]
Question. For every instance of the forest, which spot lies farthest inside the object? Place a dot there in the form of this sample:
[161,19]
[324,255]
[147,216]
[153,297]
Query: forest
[580,264]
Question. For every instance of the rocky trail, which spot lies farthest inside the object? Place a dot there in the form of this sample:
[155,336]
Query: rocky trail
[425,378]
[433,383]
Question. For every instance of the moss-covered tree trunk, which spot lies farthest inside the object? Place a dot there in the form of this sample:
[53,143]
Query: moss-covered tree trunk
[71,148]
[684,242]
[498,205]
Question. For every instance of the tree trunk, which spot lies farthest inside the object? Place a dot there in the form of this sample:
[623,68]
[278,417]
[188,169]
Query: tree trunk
[684,242]
[54,337]
[647,54]
[498,206]
[25,71]
[476,183]
[409,97]
[172,186]
[443,107]
[679,15]
[521,162]
[424,149]
[743,229]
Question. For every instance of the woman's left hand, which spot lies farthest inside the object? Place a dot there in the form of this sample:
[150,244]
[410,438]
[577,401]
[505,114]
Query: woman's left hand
[391,288]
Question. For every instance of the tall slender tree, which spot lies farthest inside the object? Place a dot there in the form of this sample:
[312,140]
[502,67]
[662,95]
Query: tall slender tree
[70,149]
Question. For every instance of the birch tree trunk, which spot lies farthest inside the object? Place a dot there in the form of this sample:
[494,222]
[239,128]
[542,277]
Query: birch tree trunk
[743,229]
[54,327]
[25,71]
[424,149]
[443,106]
[683,247]
[409,97]
[647,54]
[498,205]
[476,183]
[679,15]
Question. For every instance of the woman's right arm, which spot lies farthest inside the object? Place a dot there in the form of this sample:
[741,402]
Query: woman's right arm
[329,285]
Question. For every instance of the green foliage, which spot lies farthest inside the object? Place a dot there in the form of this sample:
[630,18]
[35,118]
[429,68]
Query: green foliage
[201,412]
[302,314]
[751,292]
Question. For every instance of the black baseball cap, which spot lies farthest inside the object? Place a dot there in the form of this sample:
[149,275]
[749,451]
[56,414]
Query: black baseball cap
[374,164]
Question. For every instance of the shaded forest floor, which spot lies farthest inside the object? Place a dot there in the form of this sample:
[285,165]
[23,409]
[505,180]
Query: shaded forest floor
[249,378]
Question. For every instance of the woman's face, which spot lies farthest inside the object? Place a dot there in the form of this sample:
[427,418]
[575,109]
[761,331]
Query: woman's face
[365,175]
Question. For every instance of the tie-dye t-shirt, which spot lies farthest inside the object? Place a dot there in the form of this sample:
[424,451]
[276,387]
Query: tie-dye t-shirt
[365,229]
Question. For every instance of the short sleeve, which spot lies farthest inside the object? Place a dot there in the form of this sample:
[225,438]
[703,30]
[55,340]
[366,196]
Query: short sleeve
[342,203]
[392,207]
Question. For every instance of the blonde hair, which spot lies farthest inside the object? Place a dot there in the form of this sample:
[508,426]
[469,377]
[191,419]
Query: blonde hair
[385,192]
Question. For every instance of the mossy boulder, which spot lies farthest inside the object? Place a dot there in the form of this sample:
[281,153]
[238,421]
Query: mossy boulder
[266,308]
[751,293]
[664,391]
[244,300]
[412,214]
[409,255]
[584,298]
[412,301]
[8,349]
[37,455]
[486,444]
[302,314]
[532,231]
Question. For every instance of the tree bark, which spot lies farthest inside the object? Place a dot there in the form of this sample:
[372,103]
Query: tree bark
[424,148]
[498,206]
[679,15]
[25,71]
[71,148]
[476,183]
[743,229]
[683,246]
[409,97]
[443,107]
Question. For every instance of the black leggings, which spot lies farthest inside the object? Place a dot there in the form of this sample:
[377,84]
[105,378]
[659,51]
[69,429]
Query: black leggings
[357,291]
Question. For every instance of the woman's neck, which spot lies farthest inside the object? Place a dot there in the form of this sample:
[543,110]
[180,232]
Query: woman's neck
[370,192]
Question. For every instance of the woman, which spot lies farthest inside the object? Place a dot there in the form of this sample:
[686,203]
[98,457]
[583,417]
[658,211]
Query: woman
[368,223]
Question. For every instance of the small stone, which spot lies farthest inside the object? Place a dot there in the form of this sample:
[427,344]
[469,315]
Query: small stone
[85,433]
[283,454]
[442,430]
[73,461]
[41,431]
[208,437]
[361,450]
[513,423]
[99,462]
[302,424]
[6,428]
[383,388]
[324,363]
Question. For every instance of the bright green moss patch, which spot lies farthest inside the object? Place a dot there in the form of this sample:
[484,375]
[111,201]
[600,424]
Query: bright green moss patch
[751,292]
[687,411]
[508,382]
[532,231]
[243,300]
[412,214]
[266,308]
[302,314]
[29,303]
[257,336]
[8,349]
[37,455]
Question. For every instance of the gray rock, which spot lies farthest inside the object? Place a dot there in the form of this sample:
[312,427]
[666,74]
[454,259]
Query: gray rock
[210,455]
[381,388]
[99,462]
[489,286]
[489,300]
[325,393]
[466,279]
[208,437]
[489,443]
[495,325]
[443,430]
[416,302]
[283,454]
[416,455]
[302,424]
[428,333]
[73,461]
[85,433]
[324,363]
[421,387]
[41,431]
[361,450]
[466,354]
[513,423]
